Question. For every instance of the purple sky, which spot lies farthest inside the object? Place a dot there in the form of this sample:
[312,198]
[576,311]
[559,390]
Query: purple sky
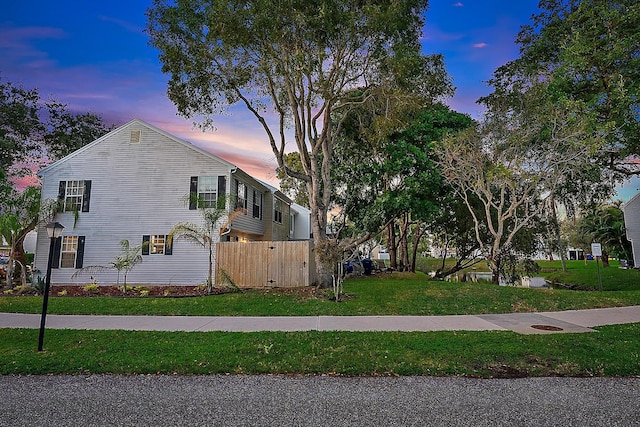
[94,56]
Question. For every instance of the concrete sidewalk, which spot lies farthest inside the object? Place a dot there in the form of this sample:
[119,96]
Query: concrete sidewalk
[524,323]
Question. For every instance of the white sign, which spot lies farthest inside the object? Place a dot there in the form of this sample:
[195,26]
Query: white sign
[596,249]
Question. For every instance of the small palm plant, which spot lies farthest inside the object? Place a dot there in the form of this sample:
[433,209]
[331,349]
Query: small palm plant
[128,258]
[207,233]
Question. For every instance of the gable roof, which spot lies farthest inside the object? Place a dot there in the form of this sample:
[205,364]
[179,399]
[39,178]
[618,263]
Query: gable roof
[141,123]
[635,200]
[276,192]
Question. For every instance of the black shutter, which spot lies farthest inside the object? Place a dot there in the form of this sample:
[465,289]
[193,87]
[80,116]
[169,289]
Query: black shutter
[62,191]
[80,252]
[168,244]
[222,190]
[193,193]
[57,247]
[145,244]
[86,196]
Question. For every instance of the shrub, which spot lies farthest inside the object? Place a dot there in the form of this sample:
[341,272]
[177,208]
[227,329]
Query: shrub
[93,288]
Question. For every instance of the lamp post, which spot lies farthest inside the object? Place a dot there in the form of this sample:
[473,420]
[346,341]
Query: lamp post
[54,230]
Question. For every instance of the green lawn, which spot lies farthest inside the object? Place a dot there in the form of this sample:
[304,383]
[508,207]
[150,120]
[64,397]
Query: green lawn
[613,351]
[384,294]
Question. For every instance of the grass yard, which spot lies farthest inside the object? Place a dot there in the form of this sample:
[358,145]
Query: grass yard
[384,294]
[613,351]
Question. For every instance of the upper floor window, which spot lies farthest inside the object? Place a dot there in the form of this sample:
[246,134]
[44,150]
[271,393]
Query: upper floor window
[204,191]
[74,196]
[207,191]
[257,204]
[241,196]
[277,211]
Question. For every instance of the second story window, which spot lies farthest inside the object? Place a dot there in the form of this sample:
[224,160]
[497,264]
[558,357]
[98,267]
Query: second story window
[207,191]
[257,204]
[241,196]
[74,196]
[204,191]
[277,211]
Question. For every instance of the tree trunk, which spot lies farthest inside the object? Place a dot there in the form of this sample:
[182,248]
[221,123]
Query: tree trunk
[605,259]
[495,270]
[417,236]
[391,245]
[404,242]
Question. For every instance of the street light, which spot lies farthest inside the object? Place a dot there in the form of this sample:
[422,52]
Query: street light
[54,230]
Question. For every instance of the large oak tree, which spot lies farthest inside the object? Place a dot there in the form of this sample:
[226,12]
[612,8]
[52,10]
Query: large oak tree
[294,65]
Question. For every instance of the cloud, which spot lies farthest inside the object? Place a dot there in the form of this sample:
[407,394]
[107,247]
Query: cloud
[128,26]
[480,45]
[458,4]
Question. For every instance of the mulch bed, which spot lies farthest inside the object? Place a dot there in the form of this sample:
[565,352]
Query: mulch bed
[174,291]
[132,291]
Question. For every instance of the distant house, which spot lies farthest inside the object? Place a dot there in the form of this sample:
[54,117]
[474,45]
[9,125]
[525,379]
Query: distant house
[300,223]
[134,183]
[631,211]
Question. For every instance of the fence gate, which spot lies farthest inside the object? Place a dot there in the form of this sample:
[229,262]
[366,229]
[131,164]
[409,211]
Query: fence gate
[266,264]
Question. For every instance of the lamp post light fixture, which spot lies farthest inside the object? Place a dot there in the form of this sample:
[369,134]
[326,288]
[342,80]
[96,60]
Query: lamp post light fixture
[54,230]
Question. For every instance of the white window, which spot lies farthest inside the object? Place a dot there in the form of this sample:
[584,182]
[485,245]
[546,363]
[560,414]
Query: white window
[68,251]
[207,191]
[73,196]
[157,243]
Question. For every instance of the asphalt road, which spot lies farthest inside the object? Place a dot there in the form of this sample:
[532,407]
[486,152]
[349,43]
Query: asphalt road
[107,400]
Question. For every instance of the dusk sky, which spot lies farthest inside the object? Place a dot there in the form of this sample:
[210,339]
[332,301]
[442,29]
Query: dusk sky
[94,56]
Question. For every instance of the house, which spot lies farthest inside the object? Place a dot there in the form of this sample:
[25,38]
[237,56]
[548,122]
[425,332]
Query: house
[631,211]
[300,223]
[135,184]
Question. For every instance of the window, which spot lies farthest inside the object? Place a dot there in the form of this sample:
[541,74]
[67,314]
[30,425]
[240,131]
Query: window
[74,196]
[277,211]
[207,191]
[204,191]
[257,204]
[157,244]
[291,224]
[241,196]
[68,252]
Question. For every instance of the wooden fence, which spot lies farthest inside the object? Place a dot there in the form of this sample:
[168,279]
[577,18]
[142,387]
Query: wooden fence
[266,264]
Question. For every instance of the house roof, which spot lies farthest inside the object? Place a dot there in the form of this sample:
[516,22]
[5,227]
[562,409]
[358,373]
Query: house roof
[147,125]
[276,192]
[635,200]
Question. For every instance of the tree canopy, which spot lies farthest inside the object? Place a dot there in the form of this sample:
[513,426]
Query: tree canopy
[588,51]
[294,65]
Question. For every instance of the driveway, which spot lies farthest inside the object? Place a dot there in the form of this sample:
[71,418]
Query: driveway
[108,400]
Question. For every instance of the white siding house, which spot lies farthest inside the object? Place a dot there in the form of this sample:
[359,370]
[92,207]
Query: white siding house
[631,211]
[300,223]
[134,184]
